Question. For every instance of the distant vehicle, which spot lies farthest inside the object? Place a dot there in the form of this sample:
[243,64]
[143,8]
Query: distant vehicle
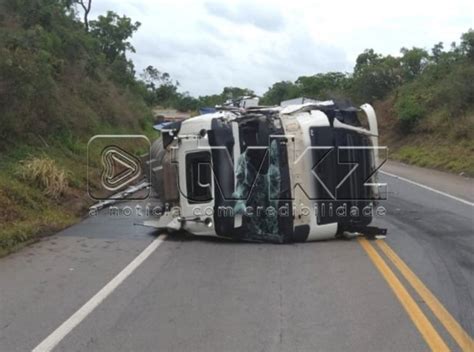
[268,174]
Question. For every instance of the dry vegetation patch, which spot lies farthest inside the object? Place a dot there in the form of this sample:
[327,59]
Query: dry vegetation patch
[44,173]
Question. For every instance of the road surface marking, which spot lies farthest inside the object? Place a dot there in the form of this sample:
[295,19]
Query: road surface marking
[431,336]
[451,325]
[65,328]
[429,188]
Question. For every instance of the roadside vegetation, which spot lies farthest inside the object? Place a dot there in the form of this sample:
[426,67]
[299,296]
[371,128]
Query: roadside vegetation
[424,100]
[60,83]
[65,78]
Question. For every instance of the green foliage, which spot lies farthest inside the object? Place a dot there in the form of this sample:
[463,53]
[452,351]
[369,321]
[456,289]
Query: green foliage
[367,59]
[323,85]
[413,62]
[467,44]
[26,213]
[56,77]
[280,91]
[236,92]
[374,76]
[443,85]
[421,82]
[438,154]
[158,88]
[228,93]
[319,86]
[49,14]
[185,102]
[409,111]
[455,92]
[28,82]
[112,32]
[210,100]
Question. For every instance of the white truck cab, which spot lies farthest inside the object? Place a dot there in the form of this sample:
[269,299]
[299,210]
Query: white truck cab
[290,173]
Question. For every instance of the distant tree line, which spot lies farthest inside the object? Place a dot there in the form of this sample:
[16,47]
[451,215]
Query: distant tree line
[420,81]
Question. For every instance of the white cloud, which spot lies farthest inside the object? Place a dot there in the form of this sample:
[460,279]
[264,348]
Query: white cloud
[207,45]
[246,12]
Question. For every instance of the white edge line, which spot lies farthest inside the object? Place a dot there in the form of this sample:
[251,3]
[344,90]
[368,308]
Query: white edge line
[428,188]
[65,328]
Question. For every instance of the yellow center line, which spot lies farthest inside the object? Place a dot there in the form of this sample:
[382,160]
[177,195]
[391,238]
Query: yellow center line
[451,325]
[431,336]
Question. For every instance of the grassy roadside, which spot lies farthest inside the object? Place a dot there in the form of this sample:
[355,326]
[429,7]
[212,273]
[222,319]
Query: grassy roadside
[31,208]
[59,85]
[456,158]
[27,211]
[437,142]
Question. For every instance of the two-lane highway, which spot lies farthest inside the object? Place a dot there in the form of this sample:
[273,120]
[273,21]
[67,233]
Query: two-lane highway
[107,285]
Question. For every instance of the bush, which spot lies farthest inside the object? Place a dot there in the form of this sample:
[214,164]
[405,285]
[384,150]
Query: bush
[455,92]
[409,111]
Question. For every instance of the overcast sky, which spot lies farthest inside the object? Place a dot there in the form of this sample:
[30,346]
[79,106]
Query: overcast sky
[207,45]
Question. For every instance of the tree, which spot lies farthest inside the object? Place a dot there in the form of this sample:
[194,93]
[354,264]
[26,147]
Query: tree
[211,100]
[366,59]
[112,32]
[322,85]
[467,44]
[236,92]
[437,52]
[48,14]
[280,91]
[185,102]
[163,90]
[86,6]
[150,75]
[375,76]
[166,92]
[413,61]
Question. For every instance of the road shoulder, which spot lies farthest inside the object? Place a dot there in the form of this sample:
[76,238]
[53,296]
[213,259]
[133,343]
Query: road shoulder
[455,185]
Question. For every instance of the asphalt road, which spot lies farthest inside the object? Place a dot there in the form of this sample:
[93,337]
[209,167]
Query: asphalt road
[194,294]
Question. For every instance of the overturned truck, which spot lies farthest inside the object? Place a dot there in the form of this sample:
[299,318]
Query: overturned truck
[281,174]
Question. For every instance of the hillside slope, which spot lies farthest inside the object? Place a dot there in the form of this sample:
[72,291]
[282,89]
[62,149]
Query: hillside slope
[436,142]
[59,86]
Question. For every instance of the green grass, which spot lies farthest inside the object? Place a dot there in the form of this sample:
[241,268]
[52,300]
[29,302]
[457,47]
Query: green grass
[438,141]
[448,158]
[27,212]
[439,144]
